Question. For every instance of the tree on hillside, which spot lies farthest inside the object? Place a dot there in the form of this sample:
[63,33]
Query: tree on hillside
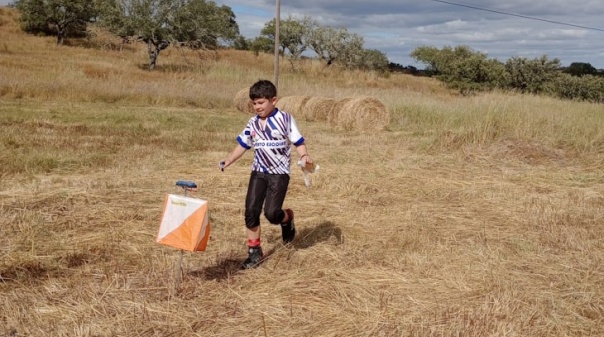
[336,45]
[533,76]
[61,17]
[293,33]
[443,61]
[373,59]
[197,24]
[586,88]
[580,69]
[462,68]
[262,44]
[201,24]
[241,43]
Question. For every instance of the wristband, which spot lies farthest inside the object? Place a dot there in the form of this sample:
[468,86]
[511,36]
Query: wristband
[304,155]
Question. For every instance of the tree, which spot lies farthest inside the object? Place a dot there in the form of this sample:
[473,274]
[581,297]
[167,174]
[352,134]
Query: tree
[430,56]
[580,69]
[197,24]
[532,76]
[293,35]
[262,44]
[61,17]
[330,44]
[241,43]
[586,88]
[373,59]
[336,45]
[462,68]
[202,24]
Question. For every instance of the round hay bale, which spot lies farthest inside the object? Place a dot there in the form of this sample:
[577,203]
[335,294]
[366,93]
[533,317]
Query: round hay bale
[363,113]
[242,101]
[292,104]
[317,109]
[333,116]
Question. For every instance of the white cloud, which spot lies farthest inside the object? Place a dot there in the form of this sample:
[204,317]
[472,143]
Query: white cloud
[475,37]
[457,24]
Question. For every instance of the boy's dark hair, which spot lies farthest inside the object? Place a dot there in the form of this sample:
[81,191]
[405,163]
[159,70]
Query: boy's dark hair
[263,89]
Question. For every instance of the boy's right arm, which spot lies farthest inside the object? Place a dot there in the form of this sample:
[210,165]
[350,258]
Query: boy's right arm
[235,155]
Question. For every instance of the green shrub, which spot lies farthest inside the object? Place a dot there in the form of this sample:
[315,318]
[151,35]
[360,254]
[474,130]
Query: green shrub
[585,88]
[463,68]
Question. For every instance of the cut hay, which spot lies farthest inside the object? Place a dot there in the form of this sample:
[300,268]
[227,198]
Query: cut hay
[242,101]
[317,109]
[293,104]
[361,113]
[333,114]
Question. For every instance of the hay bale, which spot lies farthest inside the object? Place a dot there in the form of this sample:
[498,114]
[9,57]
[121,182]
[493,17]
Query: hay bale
[363,114]
[333,116]
[317,109]
[242,101]
[293,104]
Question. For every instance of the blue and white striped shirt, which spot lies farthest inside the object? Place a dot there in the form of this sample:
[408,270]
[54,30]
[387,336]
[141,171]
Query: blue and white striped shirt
[272,145]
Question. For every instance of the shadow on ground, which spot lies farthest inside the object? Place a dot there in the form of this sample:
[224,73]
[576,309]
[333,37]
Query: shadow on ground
[226,267]
[310,236]
[222,270]
[230,265]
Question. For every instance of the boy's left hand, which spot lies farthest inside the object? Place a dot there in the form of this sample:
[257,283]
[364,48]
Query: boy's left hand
[306,160]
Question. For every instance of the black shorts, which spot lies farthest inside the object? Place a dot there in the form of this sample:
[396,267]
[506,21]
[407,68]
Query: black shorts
[267,189]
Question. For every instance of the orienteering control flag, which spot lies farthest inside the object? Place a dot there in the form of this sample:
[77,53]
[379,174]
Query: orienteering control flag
[184,223]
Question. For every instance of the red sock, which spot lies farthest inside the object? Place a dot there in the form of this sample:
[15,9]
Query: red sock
[253,243]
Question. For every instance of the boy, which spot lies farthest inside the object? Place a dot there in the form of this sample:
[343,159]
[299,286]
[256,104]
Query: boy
[271,133]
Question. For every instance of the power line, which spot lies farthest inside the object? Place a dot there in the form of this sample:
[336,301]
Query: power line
[518,15]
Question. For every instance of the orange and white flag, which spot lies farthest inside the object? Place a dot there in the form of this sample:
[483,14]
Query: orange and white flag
[184,223]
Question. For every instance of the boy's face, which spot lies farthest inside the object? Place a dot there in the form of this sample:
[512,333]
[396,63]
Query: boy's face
[264,106]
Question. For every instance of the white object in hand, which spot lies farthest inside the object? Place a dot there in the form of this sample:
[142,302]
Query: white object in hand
[307,169]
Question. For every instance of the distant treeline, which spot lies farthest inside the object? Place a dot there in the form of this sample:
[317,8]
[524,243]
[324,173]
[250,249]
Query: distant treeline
[470,71]
[575,69]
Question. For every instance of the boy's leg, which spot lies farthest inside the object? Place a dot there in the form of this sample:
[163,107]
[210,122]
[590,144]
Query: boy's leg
[273,207]
[253,236]
[256,193]
[288,230]
[253,208]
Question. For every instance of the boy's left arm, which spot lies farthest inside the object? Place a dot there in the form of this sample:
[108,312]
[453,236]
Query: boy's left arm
[303,152]
[296,137]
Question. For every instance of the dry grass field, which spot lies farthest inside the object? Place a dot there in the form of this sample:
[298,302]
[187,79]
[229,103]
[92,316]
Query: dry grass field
[469,216]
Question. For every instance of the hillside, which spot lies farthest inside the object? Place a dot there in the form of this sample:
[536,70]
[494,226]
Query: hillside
[469,216]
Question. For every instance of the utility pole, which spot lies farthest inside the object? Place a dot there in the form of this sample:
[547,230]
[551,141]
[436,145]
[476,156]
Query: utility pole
[277,22]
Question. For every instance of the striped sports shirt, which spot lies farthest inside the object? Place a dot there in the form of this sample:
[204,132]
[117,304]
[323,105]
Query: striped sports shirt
[272,145]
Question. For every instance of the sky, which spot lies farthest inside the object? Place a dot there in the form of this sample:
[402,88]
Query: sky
[397,27]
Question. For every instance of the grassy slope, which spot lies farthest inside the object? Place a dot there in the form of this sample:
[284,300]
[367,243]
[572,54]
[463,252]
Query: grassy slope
[472,216]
